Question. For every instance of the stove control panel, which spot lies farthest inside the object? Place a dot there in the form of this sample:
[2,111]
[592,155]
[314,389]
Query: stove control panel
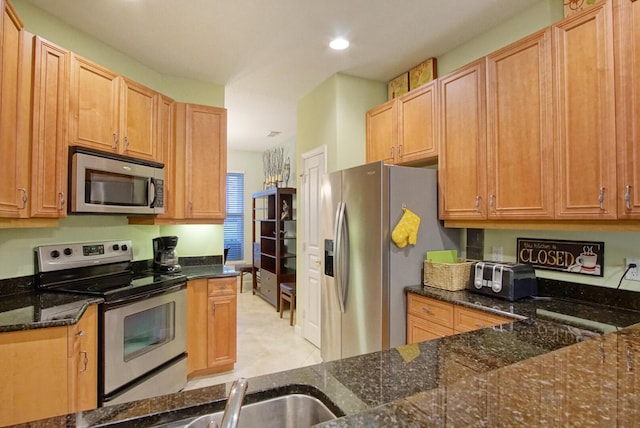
[67,256]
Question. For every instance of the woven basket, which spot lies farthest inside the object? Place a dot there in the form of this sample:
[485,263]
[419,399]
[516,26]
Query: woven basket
[447,276]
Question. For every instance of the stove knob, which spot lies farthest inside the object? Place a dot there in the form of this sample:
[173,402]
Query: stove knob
[55,254]
[124,247]
[68,251]
[116,247]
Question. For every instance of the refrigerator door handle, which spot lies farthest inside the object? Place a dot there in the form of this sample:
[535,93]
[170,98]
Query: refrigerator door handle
[343,257]
[337,227]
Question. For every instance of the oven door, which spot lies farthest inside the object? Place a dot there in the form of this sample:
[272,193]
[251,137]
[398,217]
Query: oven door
[142,335]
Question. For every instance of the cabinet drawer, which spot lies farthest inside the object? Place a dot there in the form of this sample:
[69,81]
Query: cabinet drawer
[419,330]
[222,286]
[430,310]
[470,319]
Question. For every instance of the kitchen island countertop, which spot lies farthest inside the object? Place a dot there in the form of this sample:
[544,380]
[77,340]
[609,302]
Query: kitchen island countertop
[531,372]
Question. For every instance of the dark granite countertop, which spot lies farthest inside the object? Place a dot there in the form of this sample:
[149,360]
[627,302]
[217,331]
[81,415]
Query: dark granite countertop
[532,372]
[31,309]
[38,310]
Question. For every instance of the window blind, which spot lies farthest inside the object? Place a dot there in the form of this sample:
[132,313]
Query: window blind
[234,222]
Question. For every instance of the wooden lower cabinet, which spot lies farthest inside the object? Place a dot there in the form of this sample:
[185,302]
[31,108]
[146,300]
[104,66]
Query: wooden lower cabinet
[431,319]
[211,325]
[48,372]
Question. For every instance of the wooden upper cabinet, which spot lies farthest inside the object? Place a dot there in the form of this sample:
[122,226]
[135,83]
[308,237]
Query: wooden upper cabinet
[417,121]
[50,115]
[201,162]
[627,65]
[111,113]
[520,163]
[584,116]
[139,116]
[14,114]
[95,106]
[166,147]
[462,159]
[382,133]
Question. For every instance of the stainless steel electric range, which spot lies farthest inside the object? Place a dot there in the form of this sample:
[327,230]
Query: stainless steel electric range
[142,323]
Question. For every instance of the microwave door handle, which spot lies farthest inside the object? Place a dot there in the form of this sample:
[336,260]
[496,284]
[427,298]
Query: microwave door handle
[152,190]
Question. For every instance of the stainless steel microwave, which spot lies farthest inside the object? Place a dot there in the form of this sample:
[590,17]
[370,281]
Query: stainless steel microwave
[105,183]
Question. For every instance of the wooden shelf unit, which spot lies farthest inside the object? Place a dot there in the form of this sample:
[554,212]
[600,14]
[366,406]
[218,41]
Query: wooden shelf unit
[274,238]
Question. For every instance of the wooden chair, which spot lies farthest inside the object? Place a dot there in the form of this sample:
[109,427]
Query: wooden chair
[288,294]
[242,269]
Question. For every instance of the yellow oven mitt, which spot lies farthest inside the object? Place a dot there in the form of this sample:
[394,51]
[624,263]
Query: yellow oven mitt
[406,231]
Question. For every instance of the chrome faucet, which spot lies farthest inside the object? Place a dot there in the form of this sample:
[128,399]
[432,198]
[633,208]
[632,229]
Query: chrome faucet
[234,403]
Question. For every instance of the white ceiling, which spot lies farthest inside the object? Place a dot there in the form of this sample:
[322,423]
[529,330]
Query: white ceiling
[270,53]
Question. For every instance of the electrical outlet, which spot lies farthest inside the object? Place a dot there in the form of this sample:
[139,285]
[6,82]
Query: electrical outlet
[634,273]
[496,254]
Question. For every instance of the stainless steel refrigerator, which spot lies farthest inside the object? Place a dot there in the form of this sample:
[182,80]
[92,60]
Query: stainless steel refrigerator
[363,302]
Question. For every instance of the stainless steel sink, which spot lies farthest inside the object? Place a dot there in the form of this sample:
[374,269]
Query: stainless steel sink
[288,411]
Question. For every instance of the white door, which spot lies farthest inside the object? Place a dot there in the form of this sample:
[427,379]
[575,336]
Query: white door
[314,167]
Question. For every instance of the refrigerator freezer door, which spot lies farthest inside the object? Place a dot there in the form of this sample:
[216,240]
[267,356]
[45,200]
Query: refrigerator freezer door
[330,316]
[362,321]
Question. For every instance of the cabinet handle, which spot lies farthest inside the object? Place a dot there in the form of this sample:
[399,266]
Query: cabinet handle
[115,140]
[628,360]
[491,203]
[400,150]
[601,199]
[190,207]
[126,143]
[62,201]
[391,152]
[85,361]
[80,333]
[477,205]
[627,197]
[24,197]
[427,309]
[213,309]
[480,325]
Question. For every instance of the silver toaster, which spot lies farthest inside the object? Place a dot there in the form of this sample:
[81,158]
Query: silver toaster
[510,281]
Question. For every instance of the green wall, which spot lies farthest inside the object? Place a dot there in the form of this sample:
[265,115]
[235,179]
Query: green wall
[333,114]
[16,245]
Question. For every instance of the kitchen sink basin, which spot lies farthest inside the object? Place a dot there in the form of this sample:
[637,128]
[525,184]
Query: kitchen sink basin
[287,411]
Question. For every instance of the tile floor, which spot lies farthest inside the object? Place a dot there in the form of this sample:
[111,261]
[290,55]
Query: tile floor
[266,343]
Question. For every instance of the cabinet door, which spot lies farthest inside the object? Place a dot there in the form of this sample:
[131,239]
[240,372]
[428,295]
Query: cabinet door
[627,61]
[382,132]
[585,128]
[197,321]
[14,174]
[50,115]
[94,106]
[139,121]
[462,160]
[34,375]
[222,330]
[83,362]
[419,330]
[206,162]
[520,132]
[166,148]
[417,125]
[466,319]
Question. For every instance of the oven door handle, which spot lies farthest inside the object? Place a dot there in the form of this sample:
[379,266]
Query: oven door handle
[144,296]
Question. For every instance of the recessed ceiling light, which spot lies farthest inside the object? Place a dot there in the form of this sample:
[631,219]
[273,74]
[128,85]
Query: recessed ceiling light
[273,133]
[339,44]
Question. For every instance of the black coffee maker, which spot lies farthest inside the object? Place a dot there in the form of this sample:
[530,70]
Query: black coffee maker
[165,257]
